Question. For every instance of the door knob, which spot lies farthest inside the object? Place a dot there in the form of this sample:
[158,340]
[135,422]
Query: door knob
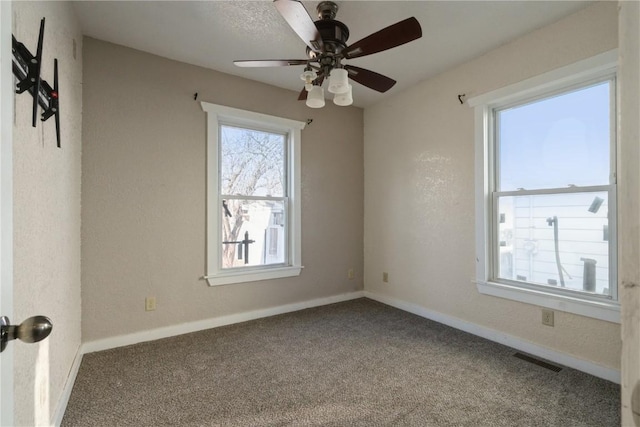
[32,330]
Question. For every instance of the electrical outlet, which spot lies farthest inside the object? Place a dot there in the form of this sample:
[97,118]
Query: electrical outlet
[385,277]
[547,317]
[350,274]
[150,303]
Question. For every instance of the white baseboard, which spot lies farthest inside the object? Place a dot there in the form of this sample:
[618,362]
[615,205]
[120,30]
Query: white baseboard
[594,369]
[185,328]
[66,391]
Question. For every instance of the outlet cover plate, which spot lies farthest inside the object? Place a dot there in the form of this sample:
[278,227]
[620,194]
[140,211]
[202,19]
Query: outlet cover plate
[547,317]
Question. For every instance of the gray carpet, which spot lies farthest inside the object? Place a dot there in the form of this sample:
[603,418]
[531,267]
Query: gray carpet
[358,363]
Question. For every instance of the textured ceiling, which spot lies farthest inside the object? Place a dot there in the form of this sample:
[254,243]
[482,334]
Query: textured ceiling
[212,34]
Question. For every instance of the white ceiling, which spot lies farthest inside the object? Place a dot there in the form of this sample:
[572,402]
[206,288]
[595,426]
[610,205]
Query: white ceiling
[213,34]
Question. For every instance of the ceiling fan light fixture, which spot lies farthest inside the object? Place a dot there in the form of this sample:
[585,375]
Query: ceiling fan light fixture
[344,99]
[315,98]
[338,81]
[308,76]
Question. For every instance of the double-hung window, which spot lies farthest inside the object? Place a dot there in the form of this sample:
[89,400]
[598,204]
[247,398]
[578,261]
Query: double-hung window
[253,196]
[546,190]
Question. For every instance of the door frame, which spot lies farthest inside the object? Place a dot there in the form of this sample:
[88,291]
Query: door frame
[6,207]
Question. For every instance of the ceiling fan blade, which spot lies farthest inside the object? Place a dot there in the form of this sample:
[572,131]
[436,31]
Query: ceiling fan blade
[299,20]
[387,38]
[369,78]
[270,62]
[303,93]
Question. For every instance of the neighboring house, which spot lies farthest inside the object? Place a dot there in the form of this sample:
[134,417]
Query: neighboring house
[264,224]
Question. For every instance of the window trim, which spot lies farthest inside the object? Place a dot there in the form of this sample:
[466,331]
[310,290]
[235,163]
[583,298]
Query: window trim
[599,67]
[217,114]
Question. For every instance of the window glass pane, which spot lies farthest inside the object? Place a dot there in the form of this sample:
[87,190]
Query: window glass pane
[252,163]
[559,240]
[253,232]
[556,141]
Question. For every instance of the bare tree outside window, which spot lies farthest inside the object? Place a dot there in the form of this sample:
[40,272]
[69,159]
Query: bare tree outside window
[253,186]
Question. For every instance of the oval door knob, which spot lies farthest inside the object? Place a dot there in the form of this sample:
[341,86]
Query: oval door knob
[32,330]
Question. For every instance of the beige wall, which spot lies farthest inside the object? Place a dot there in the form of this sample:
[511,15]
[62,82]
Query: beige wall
[47,214]
[143,205]
[419,189]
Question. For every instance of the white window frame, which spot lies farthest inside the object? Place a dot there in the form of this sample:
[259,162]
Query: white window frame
[599,67]
[217,114]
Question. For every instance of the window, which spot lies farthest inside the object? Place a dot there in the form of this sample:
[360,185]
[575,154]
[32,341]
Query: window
[546,190]
[253,196]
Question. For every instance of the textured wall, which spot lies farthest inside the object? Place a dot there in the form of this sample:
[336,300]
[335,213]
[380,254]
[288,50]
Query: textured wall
[143,205]
[419,189]
[47,214]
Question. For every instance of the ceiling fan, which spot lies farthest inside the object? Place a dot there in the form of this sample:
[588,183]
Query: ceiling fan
[326,41]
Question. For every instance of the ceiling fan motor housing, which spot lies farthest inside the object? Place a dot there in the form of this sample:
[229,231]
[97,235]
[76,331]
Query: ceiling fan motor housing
[334,35]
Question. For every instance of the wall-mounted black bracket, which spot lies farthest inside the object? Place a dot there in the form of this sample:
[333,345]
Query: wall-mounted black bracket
[26,68]
[32,63]
[53,109]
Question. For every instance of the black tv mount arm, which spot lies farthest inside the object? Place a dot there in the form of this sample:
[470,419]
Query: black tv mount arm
[53,109]
[26,68]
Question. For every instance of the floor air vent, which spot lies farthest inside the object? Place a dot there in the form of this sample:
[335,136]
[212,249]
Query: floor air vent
[538,362]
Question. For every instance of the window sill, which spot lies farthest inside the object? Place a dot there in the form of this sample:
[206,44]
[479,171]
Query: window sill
[230,277]
[603,310]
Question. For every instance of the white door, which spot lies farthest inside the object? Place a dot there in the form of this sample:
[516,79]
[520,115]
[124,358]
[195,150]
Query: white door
[6,208]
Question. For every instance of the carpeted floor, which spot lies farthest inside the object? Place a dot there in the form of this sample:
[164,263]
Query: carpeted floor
[358,363]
